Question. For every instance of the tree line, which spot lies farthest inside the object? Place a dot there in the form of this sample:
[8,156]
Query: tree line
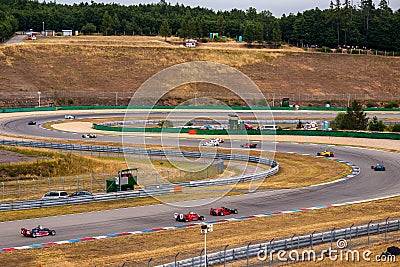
[343,24]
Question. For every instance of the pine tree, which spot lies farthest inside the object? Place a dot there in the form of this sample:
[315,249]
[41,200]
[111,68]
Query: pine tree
[355,118]
[106,23]
[165,30]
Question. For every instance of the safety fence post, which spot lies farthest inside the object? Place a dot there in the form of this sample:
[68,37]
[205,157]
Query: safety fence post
[225,255]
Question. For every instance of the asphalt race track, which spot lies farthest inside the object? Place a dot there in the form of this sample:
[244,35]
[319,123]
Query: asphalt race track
[367,185]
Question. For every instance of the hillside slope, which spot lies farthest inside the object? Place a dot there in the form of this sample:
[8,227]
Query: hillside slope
[65,70]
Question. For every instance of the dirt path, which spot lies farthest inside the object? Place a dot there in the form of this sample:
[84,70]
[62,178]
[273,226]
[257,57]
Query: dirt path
[13,157]
[16,39]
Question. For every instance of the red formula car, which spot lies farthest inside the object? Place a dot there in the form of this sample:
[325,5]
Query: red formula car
[222,211]
[37,231]
[191,216]
[249,145]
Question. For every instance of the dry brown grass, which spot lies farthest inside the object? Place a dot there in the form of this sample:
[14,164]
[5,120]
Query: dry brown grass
[297,171]
[375,250]
[124,63]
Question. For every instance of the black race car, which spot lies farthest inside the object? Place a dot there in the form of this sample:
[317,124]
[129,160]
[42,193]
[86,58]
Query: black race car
[37,231]
[32,123]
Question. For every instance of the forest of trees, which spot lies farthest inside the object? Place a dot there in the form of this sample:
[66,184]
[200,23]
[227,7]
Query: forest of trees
[343,24]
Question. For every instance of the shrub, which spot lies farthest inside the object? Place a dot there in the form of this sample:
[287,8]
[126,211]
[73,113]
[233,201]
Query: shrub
[299,125]
[371,104]
[165,124]
[392,104]
[375,125]
[396,128]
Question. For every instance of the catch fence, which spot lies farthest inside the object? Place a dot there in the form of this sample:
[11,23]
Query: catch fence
[351,241]
[85,97]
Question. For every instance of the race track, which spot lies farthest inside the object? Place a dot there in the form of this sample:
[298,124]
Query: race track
[367,185]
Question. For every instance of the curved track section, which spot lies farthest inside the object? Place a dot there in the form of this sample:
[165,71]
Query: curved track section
[367,185]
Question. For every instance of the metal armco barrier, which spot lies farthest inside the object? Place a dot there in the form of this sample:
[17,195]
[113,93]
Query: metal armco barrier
[263,250]
[150,190]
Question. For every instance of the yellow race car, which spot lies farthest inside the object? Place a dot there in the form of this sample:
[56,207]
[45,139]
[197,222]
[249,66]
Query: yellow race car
[326,153]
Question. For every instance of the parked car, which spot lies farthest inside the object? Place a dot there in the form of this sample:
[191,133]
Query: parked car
[89,135]
[326,153]
[32,123]
[55,195]
[271,127]
[81,194]
[249,145]
[69,117]
[37,231]
[188,217]
[222,211]
[378,167]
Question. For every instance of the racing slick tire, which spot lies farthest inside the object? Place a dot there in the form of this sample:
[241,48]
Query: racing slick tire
[221,213]
[201,218]
[34,235]
[52,232]
[383,169]
[235,211]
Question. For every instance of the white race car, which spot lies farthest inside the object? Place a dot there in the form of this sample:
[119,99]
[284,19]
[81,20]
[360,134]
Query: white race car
[89,135]
[210,143]
[219,140]
[69,117]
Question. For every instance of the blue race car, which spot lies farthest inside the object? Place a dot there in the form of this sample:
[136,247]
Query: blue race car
[378,167]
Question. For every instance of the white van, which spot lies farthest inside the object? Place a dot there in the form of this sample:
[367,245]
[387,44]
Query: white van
[55,195]
[271,127]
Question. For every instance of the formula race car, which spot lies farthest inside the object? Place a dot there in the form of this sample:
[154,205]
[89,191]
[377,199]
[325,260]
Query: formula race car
[32,123]
[191,216]
[89,135]
[69,117]
[249,145]
[219,140]
[210,143]
[37,231]
[326,153]
[378,167]
[222,211]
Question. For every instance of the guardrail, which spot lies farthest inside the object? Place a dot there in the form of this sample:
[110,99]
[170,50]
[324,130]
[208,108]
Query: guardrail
[149,190]
[265,250]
